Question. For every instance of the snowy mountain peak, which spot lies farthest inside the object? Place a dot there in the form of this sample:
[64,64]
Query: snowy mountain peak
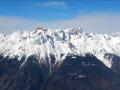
[75,31]
[45,42]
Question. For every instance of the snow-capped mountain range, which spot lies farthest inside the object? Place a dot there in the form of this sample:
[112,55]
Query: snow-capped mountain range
[60,43]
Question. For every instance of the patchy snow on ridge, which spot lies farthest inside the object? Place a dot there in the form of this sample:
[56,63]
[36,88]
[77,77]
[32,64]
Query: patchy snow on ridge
[45,42]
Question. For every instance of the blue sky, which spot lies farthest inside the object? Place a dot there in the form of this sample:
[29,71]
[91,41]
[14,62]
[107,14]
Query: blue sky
[99,16]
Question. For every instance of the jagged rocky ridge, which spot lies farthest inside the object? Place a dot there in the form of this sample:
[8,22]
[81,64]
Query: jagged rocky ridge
[67,59]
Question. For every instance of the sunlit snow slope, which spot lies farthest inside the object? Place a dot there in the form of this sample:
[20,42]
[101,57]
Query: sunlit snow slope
[45,42]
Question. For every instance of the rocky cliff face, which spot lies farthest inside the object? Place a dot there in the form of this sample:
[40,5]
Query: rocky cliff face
[59,60]
[74,73]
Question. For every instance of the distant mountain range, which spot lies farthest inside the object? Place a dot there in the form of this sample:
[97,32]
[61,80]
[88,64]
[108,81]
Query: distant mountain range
[68,59]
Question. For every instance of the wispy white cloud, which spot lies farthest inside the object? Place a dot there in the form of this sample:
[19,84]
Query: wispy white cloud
[95,22]
[10,24]
[51,4]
